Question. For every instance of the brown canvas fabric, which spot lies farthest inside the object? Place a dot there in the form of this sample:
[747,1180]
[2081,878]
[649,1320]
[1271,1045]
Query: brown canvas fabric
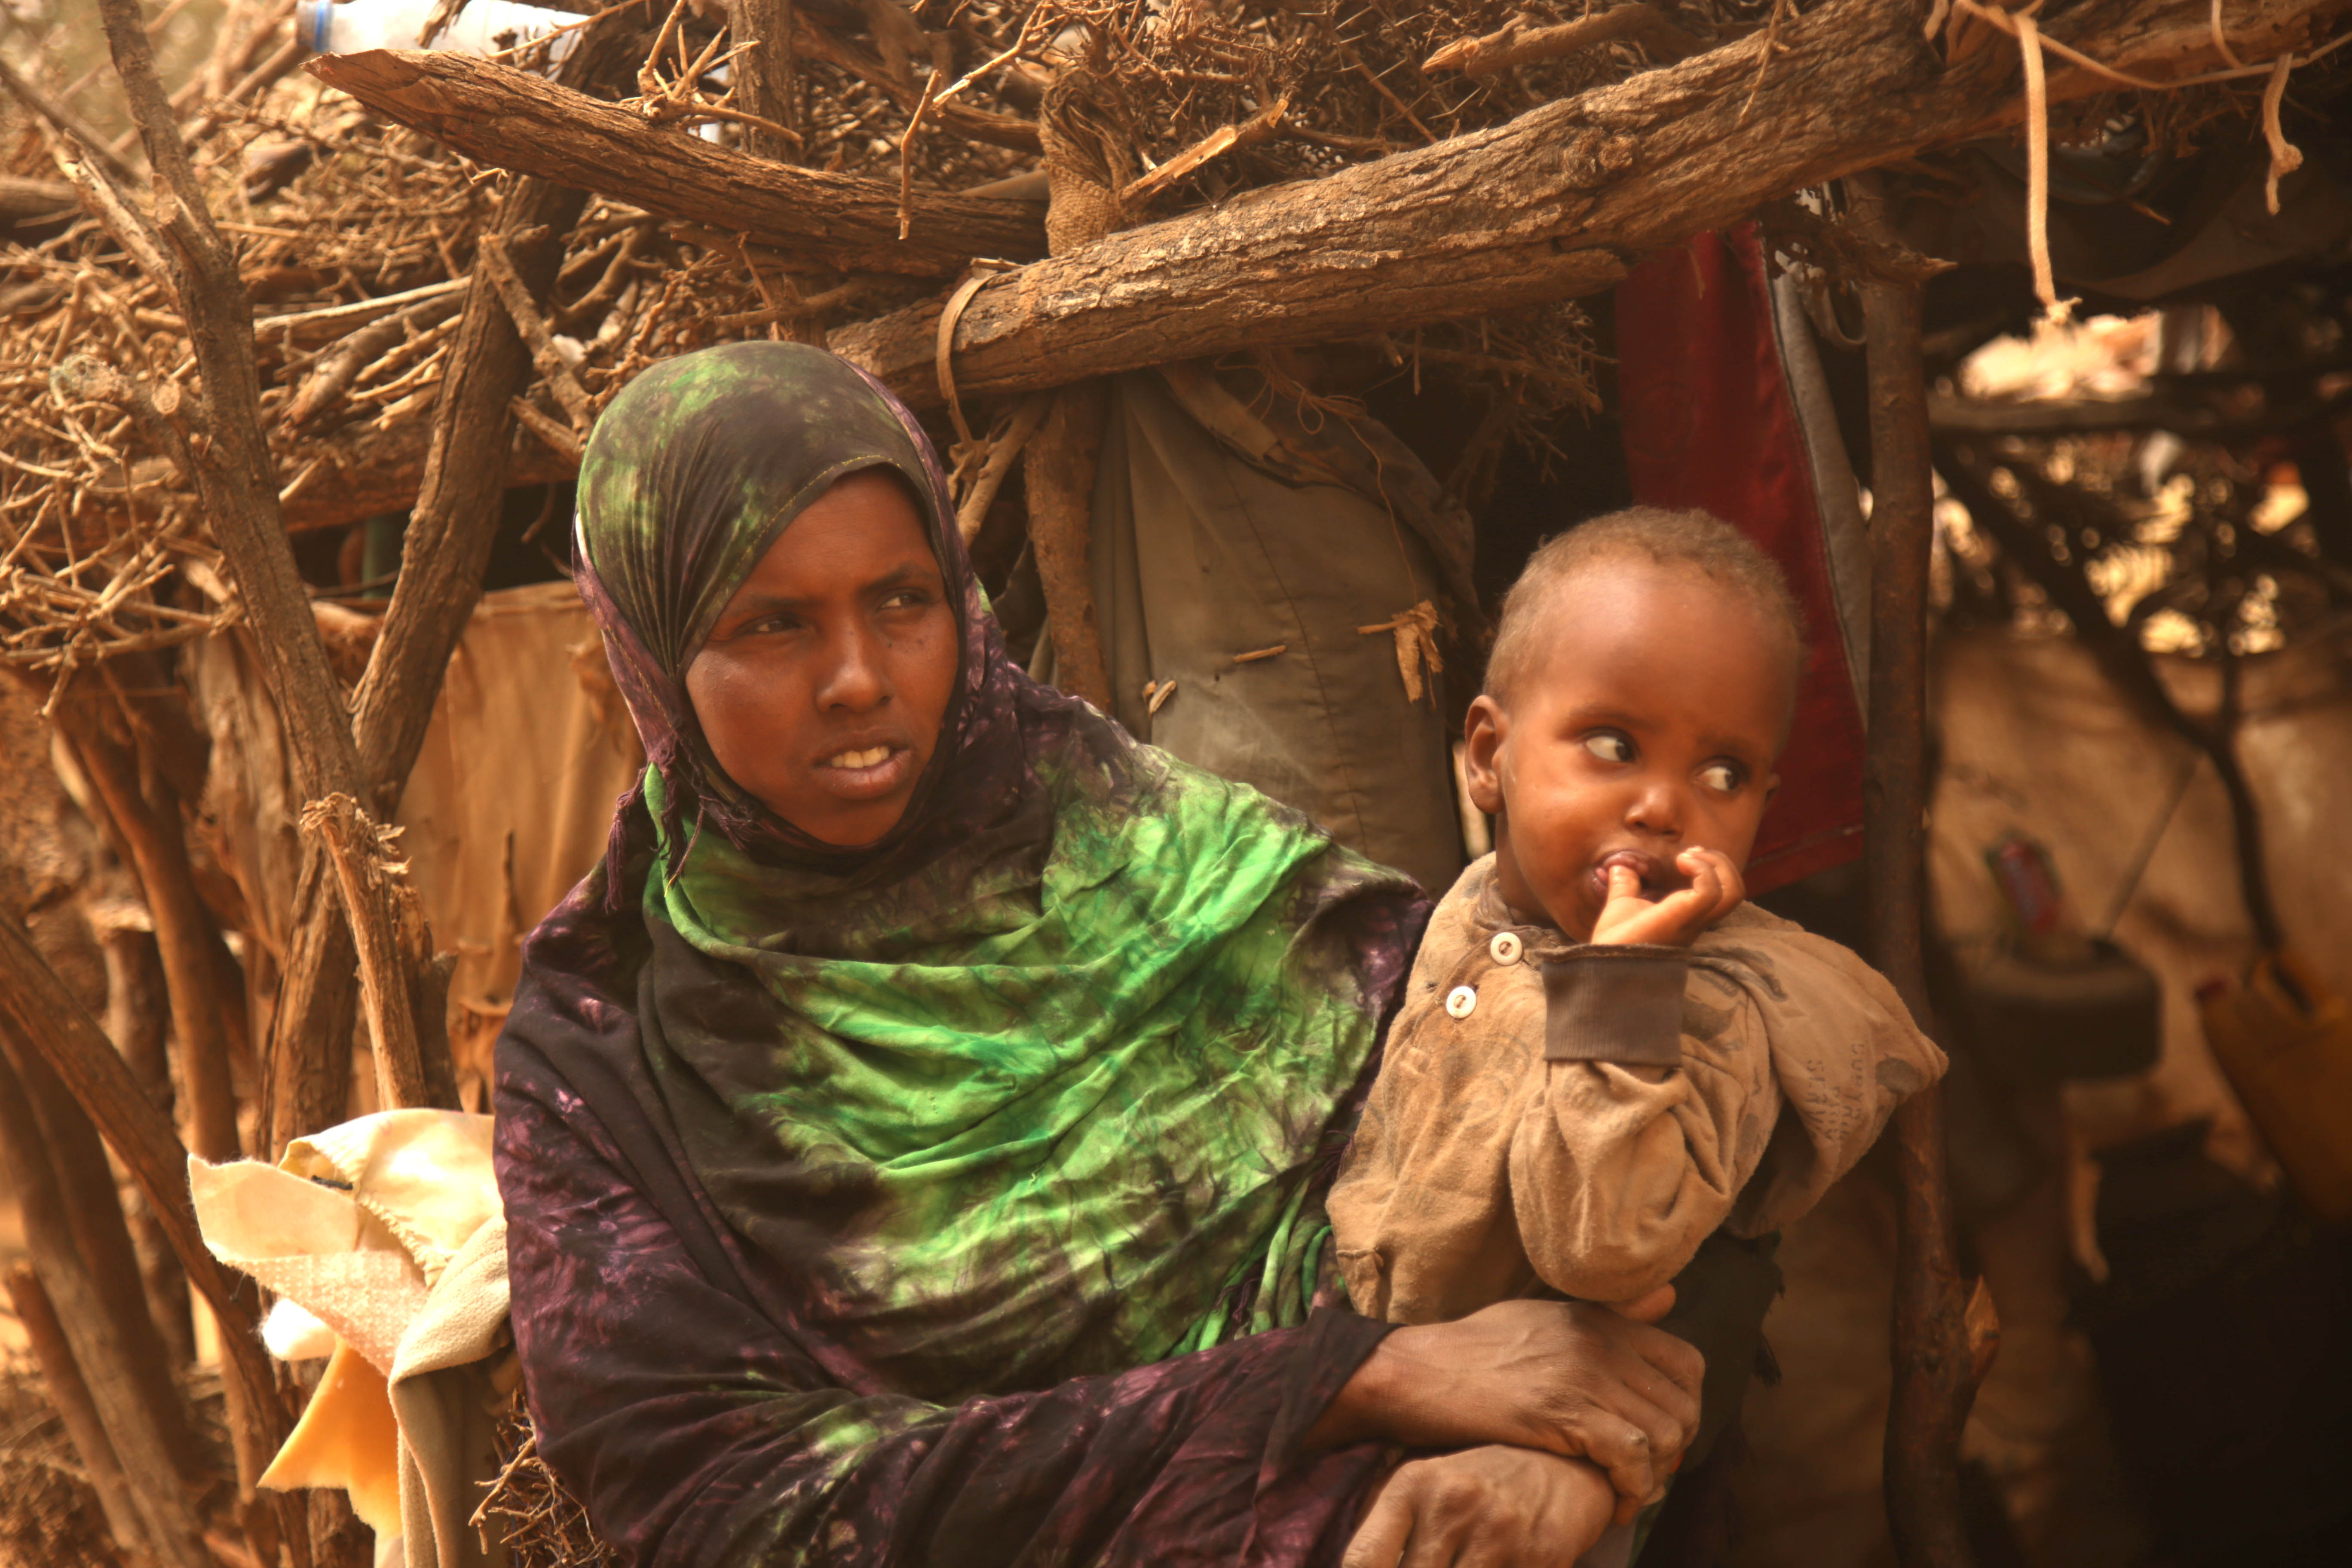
[1529,1137]
[1224,528]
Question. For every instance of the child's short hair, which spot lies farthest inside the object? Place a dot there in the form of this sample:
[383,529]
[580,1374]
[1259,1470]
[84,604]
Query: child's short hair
[1667,537]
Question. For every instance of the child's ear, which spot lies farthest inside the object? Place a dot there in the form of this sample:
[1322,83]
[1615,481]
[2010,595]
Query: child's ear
[1483,732]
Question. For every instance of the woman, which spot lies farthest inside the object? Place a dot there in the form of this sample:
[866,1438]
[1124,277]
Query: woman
[913,1136]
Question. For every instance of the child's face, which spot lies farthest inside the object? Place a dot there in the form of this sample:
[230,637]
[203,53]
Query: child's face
[1645,724]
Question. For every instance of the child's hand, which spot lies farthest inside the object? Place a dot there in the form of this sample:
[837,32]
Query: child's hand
[1678,918]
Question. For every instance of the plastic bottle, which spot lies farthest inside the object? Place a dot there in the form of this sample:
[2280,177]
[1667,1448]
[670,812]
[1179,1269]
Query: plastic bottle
[480,27]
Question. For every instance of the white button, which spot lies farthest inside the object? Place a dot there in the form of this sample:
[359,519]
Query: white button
[1504,947]
[1460,1000]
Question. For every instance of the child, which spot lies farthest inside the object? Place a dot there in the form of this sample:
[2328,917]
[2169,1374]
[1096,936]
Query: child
[1604,1057]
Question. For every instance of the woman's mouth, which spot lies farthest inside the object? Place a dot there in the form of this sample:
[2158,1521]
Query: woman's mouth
[865,773]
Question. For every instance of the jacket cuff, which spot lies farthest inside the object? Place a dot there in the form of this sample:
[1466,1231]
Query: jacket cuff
[1616,1002]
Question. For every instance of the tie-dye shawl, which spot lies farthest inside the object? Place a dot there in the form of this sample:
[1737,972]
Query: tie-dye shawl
[863,1205]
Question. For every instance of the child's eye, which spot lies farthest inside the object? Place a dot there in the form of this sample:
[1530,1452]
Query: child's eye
[1608,746]
[1724,778]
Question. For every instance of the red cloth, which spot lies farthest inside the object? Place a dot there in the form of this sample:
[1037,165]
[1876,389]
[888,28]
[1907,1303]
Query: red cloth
[1709,423]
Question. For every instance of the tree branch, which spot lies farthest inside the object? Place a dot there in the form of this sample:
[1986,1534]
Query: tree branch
[45,1018]
[514,119]
[65,122]
[1516,43]
[1933,1384]
[408,1022]
[1555,204]
[235,473]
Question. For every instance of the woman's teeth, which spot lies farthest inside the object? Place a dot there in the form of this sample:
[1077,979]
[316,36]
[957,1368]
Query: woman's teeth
[872,758]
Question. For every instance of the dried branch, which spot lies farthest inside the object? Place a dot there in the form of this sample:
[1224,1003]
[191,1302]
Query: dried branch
[1003,451]
[1547,207]
[513,120]
[1260,127]
[44,1016]
[22,199]
[523,311]
[64,121]
[406,1017]
[972,124]
[332,376]
[69,1395]
[1518,45]
[233,471]
[62,1185]
[1060,475]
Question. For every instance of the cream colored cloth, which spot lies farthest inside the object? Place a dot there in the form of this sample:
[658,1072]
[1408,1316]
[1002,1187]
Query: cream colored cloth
[1517,1136]
[384,1239]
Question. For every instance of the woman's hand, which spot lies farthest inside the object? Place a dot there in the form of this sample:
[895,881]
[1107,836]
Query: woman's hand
[1484,1508]
[1568,1377]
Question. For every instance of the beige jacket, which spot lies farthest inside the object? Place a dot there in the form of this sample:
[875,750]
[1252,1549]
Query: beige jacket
[1556,1113]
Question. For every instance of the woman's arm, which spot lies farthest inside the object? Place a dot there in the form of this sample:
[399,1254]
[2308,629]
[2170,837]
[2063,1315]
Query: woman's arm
[696,1432]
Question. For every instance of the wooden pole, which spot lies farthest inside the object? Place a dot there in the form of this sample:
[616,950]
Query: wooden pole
[69,1397]
[148,820]
[1933,1382]
[518,121]
[102,1307]
[1555,204]
[764,73]
[39,1019]
[136,1014]
[1060,475]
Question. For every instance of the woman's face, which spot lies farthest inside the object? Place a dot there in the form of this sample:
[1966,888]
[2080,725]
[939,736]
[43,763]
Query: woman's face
[824,680]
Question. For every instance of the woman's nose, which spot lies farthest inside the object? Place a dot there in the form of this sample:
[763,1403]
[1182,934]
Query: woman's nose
[856,679]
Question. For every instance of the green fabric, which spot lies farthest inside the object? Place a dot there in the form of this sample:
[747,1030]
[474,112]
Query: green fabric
[1040,1083]
[1116,1072]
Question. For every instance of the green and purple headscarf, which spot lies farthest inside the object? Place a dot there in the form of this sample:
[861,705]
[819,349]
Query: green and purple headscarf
[1043,1083]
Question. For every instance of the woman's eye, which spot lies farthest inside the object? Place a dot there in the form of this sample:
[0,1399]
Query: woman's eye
[1724,778]
[1610,746]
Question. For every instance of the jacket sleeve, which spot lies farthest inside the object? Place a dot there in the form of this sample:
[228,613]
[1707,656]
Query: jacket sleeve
[1655,1104]
[696,1430]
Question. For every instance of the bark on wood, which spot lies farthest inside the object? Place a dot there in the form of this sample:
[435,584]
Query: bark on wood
[900,84]
[763,80]
[152,831]
[63,120]
[307,1074]
[234,471]
[406,1011]
[21,198]
[447,544]
[1060,475]
[374,472]
[40,1018]
[530,324]
[325,385]
[1933,1375]
[517,121]
[1518,45]
[1006,449]
[1553,204]
[443,552]
[69,1397]
[48,1149]
[138,1007]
